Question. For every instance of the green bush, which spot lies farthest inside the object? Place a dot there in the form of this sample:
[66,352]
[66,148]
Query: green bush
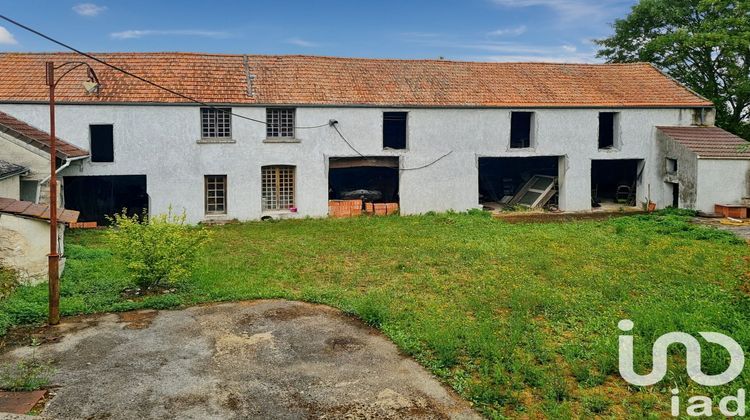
[8,281]
[157,251]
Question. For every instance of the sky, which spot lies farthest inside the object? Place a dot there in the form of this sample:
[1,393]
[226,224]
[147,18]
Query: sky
[473,30]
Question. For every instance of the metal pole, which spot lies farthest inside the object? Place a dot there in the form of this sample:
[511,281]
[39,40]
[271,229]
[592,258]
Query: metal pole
[54,257]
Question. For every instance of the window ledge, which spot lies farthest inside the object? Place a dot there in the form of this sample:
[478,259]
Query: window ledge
[216,141]
[609,150]
[281,140]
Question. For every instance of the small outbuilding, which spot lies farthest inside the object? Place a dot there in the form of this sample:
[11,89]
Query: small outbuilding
[704,166]
[10,179]
[24,237]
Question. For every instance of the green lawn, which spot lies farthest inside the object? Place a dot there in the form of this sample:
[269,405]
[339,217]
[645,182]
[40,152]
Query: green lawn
[518,318]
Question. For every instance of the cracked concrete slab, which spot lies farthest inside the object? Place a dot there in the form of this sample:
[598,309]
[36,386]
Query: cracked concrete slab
[259,359]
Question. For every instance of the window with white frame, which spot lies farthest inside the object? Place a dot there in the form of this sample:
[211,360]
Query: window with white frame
[280,123]
[216,194]
[216,123]
[277,187]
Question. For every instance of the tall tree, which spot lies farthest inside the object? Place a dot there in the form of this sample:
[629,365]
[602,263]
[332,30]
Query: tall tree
[704,44]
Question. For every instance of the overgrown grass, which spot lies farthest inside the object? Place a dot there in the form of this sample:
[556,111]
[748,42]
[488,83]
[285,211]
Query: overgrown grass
[521,319]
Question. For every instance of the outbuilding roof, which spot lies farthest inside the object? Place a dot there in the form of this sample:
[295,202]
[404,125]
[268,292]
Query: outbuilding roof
[35,211]
[313,80]
[8,169]
[709,142]
[37,138]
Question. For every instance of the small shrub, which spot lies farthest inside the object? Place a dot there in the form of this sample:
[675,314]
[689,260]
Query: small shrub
[158,250]
[8,281]
[25,375]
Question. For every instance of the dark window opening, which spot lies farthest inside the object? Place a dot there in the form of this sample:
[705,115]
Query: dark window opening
[671,166]
[99,196]
[614,181]
[607,130]
[394,130]
[500,179]
[373,180]
[29,190]
[102,143]
[520,129]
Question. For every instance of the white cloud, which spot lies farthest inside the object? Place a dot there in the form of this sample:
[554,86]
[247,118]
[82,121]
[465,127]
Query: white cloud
[517,31]
[302,43]
[7,38]
[138,33]
[484,50]
[88,9]
[569,10]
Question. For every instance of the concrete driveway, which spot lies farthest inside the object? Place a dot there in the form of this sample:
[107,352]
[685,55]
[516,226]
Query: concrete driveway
[261,359]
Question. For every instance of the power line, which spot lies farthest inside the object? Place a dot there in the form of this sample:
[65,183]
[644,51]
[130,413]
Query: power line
[331,123]
[427,164]
[142,79]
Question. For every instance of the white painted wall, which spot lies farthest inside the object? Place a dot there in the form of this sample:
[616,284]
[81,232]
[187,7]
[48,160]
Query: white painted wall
[161,142]
[721,181]
[11,187]
[24,244]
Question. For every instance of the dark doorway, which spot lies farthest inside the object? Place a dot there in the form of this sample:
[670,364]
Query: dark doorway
[99,196]
[504,177]
[675,195]
[614,181]
[373,179]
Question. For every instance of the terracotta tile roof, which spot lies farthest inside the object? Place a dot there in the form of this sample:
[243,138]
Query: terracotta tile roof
[8,169]
[308,80]
[36,137]
[36,211]
[709,142]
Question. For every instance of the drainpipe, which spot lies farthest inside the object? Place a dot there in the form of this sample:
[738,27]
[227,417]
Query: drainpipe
[67,163]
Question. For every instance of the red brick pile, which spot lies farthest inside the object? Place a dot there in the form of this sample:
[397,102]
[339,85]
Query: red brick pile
[352,208]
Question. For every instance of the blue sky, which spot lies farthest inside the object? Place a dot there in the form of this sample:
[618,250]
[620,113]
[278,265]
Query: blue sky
[484,30]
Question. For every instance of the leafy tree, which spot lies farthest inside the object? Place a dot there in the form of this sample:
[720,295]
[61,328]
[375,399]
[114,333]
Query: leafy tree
[704,44]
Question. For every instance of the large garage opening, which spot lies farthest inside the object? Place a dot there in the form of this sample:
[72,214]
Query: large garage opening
[614,182]
[371,179]
[99,196]
[527,181]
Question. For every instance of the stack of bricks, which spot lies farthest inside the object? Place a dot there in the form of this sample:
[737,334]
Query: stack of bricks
[381,209]
[344,208]
[83,225]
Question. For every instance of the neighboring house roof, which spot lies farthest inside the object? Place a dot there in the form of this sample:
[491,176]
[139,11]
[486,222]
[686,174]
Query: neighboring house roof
[36,137]
[8,169]
[35,211]
[709,142]
[311,80]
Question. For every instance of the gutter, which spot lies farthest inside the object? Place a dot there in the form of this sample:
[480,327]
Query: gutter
[67,163]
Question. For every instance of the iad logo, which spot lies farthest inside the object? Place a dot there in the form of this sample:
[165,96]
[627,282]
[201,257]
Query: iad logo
[699,405]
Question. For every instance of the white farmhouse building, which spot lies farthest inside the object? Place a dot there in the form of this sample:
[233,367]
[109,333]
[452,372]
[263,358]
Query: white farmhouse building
[433,135]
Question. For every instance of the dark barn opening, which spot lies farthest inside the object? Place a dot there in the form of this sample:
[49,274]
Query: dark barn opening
[506,176]
[99,196]
[374,180]
[614,181]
